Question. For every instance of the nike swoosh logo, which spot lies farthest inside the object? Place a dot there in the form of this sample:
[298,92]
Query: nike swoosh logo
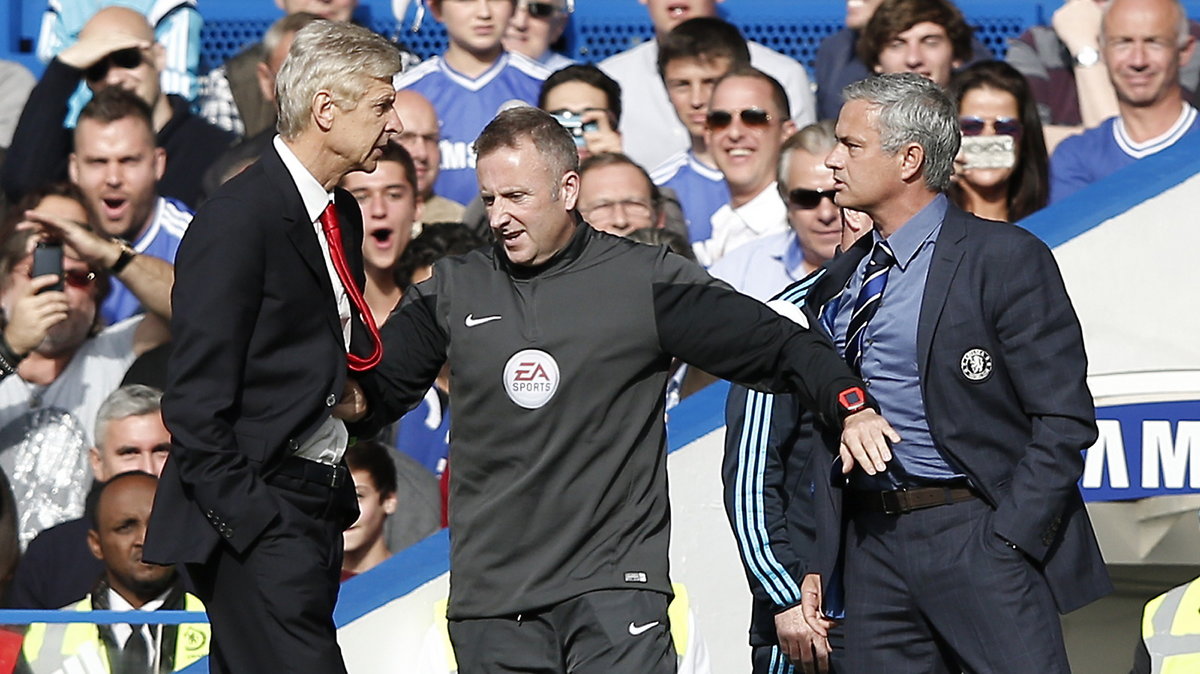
[472,321]
[639,629]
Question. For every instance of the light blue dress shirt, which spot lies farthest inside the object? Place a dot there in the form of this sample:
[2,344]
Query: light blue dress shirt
[889,354]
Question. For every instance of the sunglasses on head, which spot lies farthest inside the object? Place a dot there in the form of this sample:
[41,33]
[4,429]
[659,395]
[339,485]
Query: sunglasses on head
[123,58]
[755,117]
[809,199]
[1004,126]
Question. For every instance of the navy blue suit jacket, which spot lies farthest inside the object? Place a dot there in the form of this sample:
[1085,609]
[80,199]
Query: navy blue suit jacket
[1017,432]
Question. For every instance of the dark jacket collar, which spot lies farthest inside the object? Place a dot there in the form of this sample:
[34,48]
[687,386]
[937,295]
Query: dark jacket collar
[563,258]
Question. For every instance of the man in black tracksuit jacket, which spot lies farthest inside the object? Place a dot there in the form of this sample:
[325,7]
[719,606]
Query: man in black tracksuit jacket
[559,340]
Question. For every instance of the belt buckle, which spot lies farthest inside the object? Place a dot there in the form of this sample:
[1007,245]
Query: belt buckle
[894,502]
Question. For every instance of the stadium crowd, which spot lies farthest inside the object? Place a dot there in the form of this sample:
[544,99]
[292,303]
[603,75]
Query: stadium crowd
[718,147]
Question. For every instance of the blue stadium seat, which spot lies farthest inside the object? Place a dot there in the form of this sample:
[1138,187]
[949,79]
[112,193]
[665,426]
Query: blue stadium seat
[599,28]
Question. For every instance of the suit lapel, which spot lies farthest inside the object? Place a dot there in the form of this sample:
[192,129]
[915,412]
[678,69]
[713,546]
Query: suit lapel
[300,232]
[840,269]
[947,254]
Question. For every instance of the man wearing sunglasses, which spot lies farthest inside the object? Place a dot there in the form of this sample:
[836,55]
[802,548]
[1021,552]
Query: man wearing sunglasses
[653,135]
[1145,43]
[956,551]
[692,58]
[58,364]
[746,124]
[762,268]
[116,48]
[535,26]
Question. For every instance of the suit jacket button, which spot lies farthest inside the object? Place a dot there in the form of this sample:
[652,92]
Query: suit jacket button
[330,400]
[293,445]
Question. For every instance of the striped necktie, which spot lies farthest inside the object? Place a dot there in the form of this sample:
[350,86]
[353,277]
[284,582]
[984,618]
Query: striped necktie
[869,296]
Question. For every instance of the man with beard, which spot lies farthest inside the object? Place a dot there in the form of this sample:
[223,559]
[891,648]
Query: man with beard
[57,365]
[128,584]
[116,167]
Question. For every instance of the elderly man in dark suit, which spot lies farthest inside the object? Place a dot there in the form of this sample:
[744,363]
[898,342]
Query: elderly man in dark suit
[963,540]
[268,315]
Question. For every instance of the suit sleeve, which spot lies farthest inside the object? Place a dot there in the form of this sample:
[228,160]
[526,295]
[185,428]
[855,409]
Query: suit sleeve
[414,349]
[704,322]
[758,426]
[1042,347]
[40,144]
[217,294]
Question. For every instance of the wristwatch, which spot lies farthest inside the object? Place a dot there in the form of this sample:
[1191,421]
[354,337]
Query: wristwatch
[1087,57]
[852,400]
[126,256]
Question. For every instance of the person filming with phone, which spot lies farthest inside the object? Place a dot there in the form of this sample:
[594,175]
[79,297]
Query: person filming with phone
[57,360]
[588,104]
[1002,170]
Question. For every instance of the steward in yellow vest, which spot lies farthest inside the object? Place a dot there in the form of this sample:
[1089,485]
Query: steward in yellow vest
[1171,633]
[85,647]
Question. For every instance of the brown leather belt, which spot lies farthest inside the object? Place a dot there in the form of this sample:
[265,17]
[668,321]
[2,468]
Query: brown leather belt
[903,501]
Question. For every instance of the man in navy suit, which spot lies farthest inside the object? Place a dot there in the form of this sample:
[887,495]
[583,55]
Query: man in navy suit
[268,316]
[958,545]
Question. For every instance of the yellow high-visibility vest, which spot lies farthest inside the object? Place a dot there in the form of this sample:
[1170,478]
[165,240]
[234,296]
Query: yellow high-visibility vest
[48,647]
[1171,630]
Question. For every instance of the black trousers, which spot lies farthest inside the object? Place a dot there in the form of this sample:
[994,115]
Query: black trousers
[271,609]
[936,591]
[601,632]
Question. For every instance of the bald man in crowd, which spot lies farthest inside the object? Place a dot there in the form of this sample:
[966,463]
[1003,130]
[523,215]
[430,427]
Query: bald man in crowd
[115,48]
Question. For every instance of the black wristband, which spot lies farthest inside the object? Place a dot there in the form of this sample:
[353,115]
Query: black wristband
[8,358]
[123,260]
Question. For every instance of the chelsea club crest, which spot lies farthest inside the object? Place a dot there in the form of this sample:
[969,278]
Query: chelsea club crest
[976,365]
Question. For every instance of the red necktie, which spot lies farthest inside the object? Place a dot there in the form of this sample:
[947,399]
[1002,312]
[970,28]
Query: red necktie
[333,236]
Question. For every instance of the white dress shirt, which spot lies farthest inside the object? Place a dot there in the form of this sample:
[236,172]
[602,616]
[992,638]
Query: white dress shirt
[122,631]
[764,215]
[328,443]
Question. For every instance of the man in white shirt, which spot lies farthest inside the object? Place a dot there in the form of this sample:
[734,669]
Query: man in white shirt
[117,530]
[747,123]
[654,133]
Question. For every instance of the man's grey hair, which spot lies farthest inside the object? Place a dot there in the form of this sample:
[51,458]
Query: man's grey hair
[817,139]
[336,57]
[291,23]
[1182,31]
[909,108]
[132,400]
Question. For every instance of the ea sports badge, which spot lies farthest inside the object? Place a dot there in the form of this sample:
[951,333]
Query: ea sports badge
[976,365]
[531,378]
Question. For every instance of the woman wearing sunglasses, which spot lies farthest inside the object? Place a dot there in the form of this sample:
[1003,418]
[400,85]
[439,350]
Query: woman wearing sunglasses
[1001,172]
